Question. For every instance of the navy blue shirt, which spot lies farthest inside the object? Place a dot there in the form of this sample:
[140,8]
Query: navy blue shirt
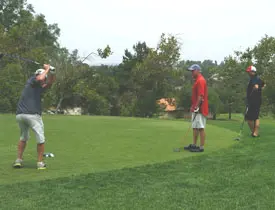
[30,100]
[254,96]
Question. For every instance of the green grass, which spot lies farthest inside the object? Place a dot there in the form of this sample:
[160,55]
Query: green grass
[94,144]
[128,163]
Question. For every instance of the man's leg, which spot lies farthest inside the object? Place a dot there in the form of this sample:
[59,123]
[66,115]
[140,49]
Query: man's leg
[20,149]
[201,122]
[257,121]
[40,152]
[253,119]
[195,132]
[251,124]
[202,138]
[18,163]
[24,136]
[38,129]
[256,129]
[195,136]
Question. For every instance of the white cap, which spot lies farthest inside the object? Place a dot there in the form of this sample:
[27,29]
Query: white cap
[52,68]
[39,71]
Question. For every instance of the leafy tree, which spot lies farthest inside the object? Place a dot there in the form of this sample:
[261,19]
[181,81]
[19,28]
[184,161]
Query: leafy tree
[214,102]
[11,80]
[263,55]
[12,11]
[231,83]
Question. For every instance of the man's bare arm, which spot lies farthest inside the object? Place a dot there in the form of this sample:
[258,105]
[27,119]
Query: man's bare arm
[50,81]
[42,76]
[199,100]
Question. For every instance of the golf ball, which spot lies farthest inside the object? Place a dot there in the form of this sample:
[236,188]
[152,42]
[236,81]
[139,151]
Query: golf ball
[49,155]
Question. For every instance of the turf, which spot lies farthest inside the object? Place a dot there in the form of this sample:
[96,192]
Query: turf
[93,144]
[127,163]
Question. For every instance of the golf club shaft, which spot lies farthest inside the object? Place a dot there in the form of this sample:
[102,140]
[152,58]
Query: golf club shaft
[192,121]
[25,59]
[246,110]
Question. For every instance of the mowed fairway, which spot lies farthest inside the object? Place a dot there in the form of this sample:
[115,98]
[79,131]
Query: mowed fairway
[128,163]
[83,144]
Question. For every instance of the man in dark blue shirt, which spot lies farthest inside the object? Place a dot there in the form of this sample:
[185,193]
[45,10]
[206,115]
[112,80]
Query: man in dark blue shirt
[254,100]
[29,112]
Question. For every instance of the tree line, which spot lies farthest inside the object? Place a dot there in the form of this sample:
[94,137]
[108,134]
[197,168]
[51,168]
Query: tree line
[130,88]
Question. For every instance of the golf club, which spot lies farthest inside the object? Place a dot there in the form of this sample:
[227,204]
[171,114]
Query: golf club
[179,149]
[238,138]
[241,127]
[23,59]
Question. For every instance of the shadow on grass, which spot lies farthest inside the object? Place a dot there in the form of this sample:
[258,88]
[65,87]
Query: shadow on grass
[232,125]
[224,119]
[30,163]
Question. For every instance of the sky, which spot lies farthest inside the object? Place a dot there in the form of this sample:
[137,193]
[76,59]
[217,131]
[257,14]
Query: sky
[211,29]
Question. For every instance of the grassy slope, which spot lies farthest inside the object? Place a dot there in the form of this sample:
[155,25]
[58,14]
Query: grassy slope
[239,177]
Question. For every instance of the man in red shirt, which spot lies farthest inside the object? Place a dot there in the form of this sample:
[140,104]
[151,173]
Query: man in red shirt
[199,108]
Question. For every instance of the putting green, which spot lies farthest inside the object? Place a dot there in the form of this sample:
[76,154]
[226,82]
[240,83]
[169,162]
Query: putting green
[83,144]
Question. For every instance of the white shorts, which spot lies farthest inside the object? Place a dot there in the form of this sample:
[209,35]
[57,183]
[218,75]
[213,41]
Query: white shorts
[199,122]
[33,121]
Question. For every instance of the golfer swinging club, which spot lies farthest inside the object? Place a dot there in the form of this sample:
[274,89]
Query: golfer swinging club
[29,112]
[254,100]
[199,108]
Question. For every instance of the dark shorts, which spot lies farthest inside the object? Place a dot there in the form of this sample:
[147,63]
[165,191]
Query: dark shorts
[253,112]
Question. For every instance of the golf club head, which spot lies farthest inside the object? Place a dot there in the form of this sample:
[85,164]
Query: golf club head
[177,149]
[237,138]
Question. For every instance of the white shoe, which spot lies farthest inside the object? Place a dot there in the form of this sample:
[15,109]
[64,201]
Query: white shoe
[18,163]
[41,165]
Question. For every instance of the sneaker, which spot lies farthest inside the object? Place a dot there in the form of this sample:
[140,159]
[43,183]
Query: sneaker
[190,146]
[197,149]
[18,163]
[41,165]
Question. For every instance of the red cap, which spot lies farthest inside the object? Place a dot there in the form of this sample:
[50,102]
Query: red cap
[251,69]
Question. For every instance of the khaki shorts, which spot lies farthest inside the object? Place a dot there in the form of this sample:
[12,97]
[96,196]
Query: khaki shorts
[31,121]
[199,122]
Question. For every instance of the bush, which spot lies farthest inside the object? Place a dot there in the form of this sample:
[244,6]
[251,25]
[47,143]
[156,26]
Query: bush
[98,105]
[5,106]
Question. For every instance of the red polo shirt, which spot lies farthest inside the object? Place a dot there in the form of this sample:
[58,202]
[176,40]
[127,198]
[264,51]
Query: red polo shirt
[200,88]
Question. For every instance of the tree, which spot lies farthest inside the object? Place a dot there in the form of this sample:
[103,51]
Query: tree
[263,55]
[214,102]
[70,68]
[12,11]
[230,84]
[154,76]
[11,80]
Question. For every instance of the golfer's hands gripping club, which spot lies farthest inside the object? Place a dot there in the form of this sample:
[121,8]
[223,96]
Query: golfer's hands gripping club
[46,67]
[196,110]
[49,68]
[52,70]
